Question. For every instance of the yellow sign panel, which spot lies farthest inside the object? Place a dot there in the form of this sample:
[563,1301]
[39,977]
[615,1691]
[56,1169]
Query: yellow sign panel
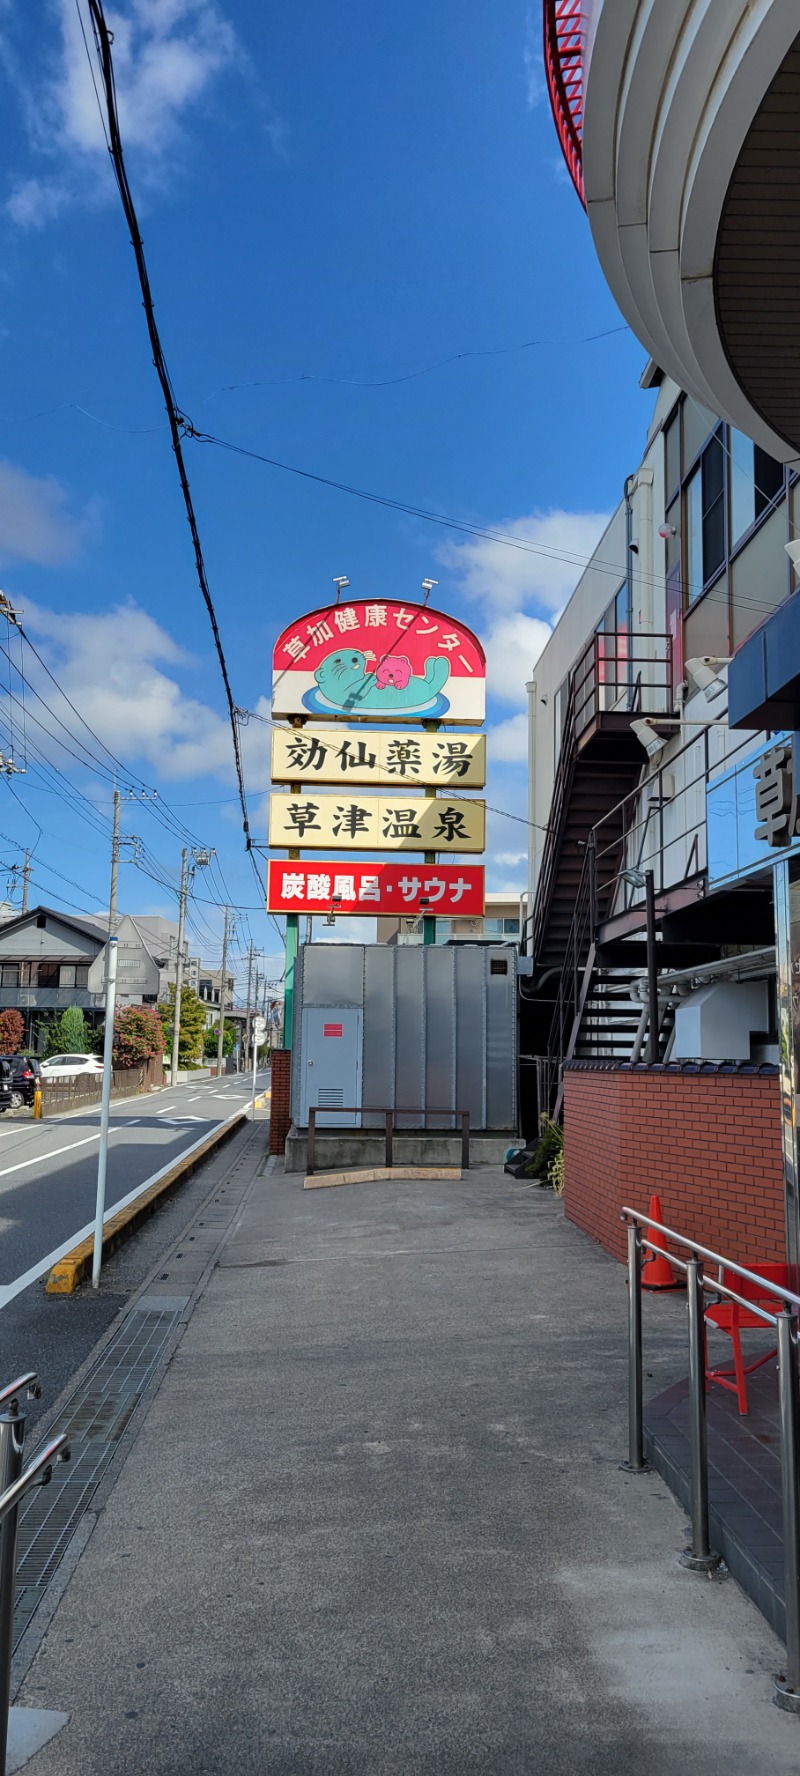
[323,755]
[377,823]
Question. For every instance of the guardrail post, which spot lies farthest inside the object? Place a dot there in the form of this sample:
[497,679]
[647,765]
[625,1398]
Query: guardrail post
[635,1463]
[787,1684]
[311,1141]
[12,1435]
[698,1558]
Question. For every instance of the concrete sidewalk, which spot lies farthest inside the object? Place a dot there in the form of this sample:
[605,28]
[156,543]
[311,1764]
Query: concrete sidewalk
[374,1521]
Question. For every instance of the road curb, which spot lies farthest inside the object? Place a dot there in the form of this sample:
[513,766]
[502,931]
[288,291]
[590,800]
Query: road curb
[70,1271]
[379,1175]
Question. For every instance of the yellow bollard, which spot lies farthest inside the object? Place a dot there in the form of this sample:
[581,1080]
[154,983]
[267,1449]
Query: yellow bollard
[37,1104]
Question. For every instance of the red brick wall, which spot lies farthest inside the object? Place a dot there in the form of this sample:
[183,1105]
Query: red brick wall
[279,1115]
[710,1144]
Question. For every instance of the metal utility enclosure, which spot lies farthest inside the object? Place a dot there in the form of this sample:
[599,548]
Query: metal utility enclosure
[398,1028]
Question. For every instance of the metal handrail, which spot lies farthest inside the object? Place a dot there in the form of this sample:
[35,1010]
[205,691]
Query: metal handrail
[699,1556]
[15,1482]
[28,1384]
[765,1284]
[41,1469]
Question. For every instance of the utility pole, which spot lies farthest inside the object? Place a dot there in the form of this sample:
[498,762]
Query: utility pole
[249,1023]
[176,1016]
[102,1157]
[26,876]
[221,1036]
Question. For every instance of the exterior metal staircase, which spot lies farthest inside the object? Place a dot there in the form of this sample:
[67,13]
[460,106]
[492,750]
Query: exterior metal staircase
[577,1008]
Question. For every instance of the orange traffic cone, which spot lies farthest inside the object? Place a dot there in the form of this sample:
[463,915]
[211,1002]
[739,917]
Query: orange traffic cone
[657,1272]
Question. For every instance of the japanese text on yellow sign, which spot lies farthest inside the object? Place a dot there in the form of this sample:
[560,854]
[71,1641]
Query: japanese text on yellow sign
[376,823]
[316,755]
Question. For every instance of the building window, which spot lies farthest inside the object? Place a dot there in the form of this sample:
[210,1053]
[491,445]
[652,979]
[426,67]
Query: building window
[704,505]
[47,974]
[10,976]
[511,927]
[756,480]
[727,487]
[66,975]
[82,974]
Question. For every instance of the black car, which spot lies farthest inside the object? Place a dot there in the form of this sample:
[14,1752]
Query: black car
[6,1084]
[24,1074]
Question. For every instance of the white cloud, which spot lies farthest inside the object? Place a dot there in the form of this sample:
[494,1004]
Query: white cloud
[111,665]
[350,930]
[167,54]
[513,645]
[522,590]
[542,576]
[35,523]
[508,740]
[532,61]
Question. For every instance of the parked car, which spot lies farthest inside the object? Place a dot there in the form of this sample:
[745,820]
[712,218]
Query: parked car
[5,1085]
[25,1072]
[67,1066]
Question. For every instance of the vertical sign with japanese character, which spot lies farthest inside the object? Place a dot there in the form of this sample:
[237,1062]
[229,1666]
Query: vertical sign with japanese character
[379,660]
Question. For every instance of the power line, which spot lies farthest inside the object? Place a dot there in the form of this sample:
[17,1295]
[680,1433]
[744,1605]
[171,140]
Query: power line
[483,533]
[175,418]
[500,351]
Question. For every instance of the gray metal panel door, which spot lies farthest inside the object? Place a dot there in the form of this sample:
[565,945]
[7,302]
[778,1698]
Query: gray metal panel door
[330,1056]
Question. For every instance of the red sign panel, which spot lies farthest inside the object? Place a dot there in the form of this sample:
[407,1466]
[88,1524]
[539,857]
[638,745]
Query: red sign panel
[446,889]
[379,660]
[331,1029]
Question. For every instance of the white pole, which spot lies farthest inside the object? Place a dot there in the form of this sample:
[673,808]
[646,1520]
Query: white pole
[105,1101]
[253,1102]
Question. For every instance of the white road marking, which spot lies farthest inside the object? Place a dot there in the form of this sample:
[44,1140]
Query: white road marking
[39,1157]
[194,1099]
[9,1291]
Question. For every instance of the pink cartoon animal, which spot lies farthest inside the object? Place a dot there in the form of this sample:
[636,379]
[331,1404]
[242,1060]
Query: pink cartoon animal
[394,671]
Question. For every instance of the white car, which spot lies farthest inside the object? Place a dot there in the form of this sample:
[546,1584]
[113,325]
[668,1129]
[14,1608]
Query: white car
[67,1066]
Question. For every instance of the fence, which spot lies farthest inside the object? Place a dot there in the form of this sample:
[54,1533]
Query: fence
[13,1486]
[700,1557]
[389,1129]
[126,1082]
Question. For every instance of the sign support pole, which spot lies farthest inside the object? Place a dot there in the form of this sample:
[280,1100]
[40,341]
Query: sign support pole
[429,919]
[292,944]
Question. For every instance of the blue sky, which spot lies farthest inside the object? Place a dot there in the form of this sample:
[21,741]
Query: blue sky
[328,196]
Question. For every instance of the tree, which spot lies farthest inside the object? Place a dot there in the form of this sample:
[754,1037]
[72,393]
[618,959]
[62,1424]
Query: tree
[12,1031]
[193,1025]
[211,1044]
[138,1036]
[68,1033]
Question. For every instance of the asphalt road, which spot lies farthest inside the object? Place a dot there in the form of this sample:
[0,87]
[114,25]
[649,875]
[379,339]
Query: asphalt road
[48,1170]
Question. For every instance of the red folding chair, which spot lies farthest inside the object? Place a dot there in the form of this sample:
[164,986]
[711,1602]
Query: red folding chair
[729,1317]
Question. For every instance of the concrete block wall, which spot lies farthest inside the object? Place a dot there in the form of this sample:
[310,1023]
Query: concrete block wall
[710,1144]
[280,1114]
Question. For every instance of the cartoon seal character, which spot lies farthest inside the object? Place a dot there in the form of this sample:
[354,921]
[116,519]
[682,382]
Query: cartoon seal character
[345,683]
[393,669]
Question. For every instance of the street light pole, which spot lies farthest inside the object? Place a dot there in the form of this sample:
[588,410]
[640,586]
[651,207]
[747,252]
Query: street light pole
[105,1101]
[221,1035]
[176,1019]
[249,1020]
[112,899]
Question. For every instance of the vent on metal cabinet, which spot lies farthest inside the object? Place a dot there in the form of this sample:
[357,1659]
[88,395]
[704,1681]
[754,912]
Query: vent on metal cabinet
[330,1097]
[498,965]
